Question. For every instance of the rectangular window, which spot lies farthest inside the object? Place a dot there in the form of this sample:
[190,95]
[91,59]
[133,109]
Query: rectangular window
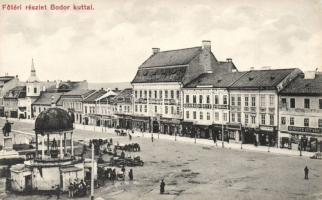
[178,94]
[187,114]
[239,101]
[263,119]
[166,94]
[208,116]
[145,94]
[155,94]
[194,115]
[145,108]
[320,103]
[225,117]
[306,103]
[320,123]
[172,110]
[271,100]
[200,99]
[166,110]
[216,116]
[178,110]
[35,90]
[292,121]
[238,117]
[225,99]
[85,109]
[39,109]
[253,119]
[284,102]
[187,98]
[262,103]
[136,108]
[216,99]
[232,100]
[292,102]
[155,109]
[140,108]
[246,101]
[253,101]
[201,115]
[172,94]
[150,94]
[194,99]
[160,94]
[246,118]
[136,94]
[283,120]
[271,120]
[208,99]
[233,117]
[140,93]
[306,122]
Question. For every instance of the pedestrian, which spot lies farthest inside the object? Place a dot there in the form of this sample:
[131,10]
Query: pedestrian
[131,175]
[70,190]
[162,186]
[57,191]
[306,173]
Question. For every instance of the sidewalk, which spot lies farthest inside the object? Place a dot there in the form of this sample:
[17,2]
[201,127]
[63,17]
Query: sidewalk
[198,141]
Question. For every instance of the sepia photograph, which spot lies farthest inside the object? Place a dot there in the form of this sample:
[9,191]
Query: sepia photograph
[161,99]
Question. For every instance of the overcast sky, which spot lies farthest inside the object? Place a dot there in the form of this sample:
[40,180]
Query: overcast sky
[109,43]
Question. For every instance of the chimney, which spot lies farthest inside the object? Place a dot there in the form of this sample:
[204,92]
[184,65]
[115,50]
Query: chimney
[206,44]
[229,60]
[309,75]
[155,50]
[116,89]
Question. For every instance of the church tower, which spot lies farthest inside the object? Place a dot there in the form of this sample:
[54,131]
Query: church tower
[33,84]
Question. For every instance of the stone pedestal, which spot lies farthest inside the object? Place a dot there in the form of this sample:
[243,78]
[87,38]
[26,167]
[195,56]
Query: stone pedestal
[7,143]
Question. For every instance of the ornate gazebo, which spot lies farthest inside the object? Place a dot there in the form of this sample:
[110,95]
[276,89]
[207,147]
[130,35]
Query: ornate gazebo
[56,165]
[55,126]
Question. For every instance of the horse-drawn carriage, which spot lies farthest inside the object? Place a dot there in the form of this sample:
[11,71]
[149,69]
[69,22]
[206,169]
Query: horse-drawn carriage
[120,132]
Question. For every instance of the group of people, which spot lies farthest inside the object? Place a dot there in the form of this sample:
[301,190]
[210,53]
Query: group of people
[112,175]
[77,189]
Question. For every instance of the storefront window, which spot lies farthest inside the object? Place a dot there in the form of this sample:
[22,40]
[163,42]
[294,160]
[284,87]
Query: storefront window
[292,121]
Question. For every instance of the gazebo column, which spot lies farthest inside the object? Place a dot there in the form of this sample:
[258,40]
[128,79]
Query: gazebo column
[48,152]
[42,147]
[65,148]
[36,145]
[61,155]
[72,143]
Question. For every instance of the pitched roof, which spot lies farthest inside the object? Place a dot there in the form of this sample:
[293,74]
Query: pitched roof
[79,92]
[46,98]
[92,97]
[164,74]
[215,80]
[267,79]
[6,78]
[301,86]
[125,96]
[172,57]
[16,92]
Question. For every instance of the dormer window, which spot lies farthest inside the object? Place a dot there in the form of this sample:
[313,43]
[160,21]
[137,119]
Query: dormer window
[219,80]
[250,78]
[272,77]
[35,90]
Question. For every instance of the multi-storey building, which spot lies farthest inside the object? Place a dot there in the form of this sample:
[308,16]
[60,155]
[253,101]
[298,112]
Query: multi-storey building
[254,105]
[158,82]
[11,106]
[46,100]
[90,108]
[206,104]
[6,83]
[73,102]
[105,109]
[301,112]
[123,108]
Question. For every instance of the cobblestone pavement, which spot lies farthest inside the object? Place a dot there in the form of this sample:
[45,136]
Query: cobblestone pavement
[202,171]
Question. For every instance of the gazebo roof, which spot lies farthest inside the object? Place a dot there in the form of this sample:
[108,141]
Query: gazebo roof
[53,120]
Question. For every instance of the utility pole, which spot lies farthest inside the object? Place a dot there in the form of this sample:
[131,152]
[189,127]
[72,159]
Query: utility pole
[92,175]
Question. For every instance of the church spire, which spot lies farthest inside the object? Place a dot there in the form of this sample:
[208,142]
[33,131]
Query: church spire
[33,76]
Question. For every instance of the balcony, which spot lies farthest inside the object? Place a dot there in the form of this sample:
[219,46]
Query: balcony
[215,106]
[141,101]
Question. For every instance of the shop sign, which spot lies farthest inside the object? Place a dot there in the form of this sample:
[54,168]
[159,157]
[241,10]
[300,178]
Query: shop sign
[234,126]
[267,128]
[305,129]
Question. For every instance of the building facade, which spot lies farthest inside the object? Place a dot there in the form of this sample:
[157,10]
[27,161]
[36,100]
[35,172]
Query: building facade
[11,106]
[123,108]
[300,113]
[157,86]
[6,83]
